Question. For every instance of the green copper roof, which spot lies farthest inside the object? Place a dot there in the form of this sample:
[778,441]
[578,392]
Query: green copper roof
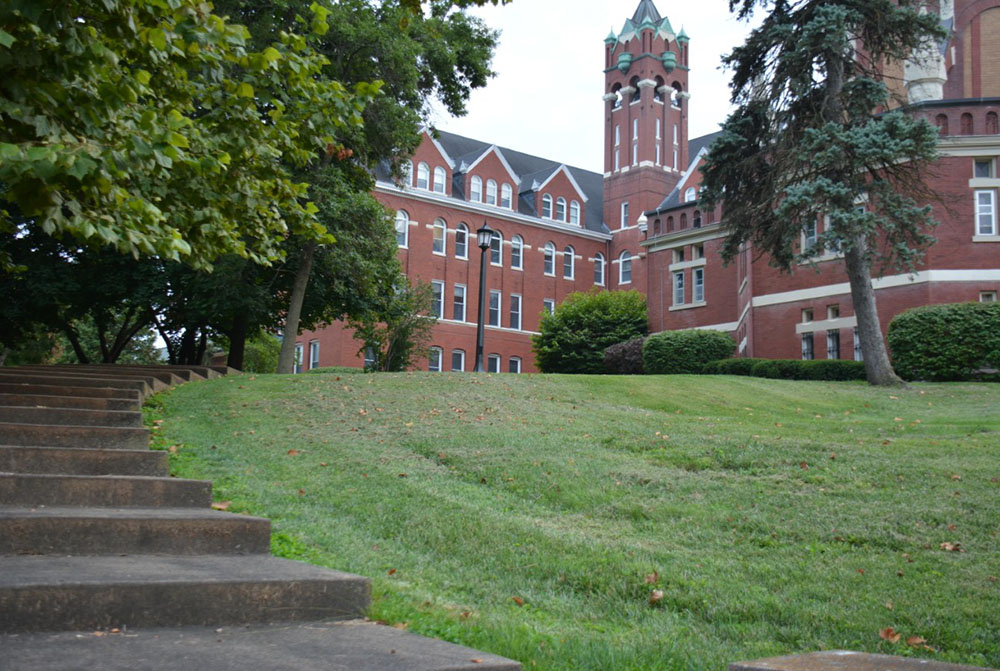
[683,36]
[611,37]
[646,11]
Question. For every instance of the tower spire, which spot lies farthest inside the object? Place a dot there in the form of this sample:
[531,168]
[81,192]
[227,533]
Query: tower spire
[646,11]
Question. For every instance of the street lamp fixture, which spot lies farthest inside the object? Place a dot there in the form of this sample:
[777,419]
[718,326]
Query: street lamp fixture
[643,223]
[485,237]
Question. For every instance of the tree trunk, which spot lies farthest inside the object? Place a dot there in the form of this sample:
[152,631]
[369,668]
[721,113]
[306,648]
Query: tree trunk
[877,366]
[238,342]
[74,340]
[286,359]
[3,355]
[187,355]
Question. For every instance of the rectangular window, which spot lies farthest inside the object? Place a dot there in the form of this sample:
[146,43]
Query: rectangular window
[439,235]
[434,364]
[987,297]
[833,312]
[659,152]
[299,355]
[699,251]
[437,299]
[986,213]
[699,285]
[807,347]
[515,253]
[679,255]
[493,363]
[494,308]
[676,135]
[515,312]
[810,236]
[807,315]
[984,169]
[314,354]
[833,345]
[624,219]
[458,304]
[678,288]
[858,356]
[458,361]
[618,163]
[635,153]
[618,135]
[514,365]
[675,159]
[548,305]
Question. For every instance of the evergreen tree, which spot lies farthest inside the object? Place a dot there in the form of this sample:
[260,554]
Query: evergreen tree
[815,138]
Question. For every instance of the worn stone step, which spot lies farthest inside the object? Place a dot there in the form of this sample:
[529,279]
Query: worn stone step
[130,531]
[70,416]
[15,377]
[75,402]
[313,646]
[75,461]
[161,373]
[109,491]
[51,389]
[846,660]
[107,438]
[87,593]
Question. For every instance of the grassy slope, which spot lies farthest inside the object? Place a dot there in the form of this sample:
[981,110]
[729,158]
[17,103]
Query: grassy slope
[778,516]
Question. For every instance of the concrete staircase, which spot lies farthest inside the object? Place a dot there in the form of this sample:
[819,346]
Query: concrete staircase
[106,562]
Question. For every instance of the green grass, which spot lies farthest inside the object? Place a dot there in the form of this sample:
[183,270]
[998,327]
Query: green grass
[774,516]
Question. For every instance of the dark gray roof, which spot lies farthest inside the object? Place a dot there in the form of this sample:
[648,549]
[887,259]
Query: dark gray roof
[646,9]
[694,148]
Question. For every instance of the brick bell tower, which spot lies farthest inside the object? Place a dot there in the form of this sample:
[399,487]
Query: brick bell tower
[645,128]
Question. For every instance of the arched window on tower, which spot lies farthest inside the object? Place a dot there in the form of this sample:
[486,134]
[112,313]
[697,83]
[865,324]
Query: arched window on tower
[617,90]
[675,96]
[967,126]
[636,93]
[506,196]
[941,121]
[992,124]
[657,93]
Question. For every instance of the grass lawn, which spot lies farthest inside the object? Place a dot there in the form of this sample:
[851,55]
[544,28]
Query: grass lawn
[624,522]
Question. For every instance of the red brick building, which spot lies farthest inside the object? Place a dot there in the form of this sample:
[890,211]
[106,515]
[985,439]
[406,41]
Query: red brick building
[638,226]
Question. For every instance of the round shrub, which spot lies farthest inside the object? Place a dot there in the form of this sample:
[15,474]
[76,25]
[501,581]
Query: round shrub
[952,342]
[680,352]
[624,358]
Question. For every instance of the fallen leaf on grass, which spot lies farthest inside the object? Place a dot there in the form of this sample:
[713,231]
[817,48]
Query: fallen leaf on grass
[993,578]
[889,605]
[653,578]
[222,505]
[914,641]
[292,452]
[952,547]
[476,660]
[656,596]
[956,477]
[323,464]
[889,634]
[400,625]
[518,600]
[392,571]
[302,492]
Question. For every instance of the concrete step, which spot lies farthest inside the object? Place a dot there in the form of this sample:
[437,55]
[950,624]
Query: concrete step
[109,491]
[15,377]
[846,660]
[76,402]
[130,531]
[161,373]
[74,461]
[70,416]
[314,646]
[87,593]
[49,388]
[157,382]
[41,435]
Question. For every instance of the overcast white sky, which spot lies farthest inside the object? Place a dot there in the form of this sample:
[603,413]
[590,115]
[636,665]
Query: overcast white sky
[546,97]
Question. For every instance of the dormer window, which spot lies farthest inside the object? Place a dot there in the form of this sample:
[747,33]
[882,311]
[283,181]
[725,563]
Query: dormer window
[546,206]
[560,209]
[423,176]
[574,213]
[439,179]
[506,196]
[491,192]
[476,189]
[690,195]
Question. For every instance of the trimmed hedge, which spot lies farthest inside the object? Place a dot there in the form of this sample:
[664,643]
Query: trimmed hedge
[943,343]
[831,370]
[625,358]
[684,352]
[738,366]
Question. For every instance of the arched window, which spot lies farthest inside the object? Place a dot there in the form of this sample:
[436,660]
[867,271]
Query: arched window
[696,219]
[637,92]
[517,252]
[402,228]
[690,195]
[670,224]
[684,221]
[506,196]
[992,125]
[491,192]
[560,209]
[462,241]
[657,227]
[496,248]
[423,176]
[440,236]
[941,121]
[625,268]
[549,266]
[547,206]
[657,93]
[568,262]
[476,189]
[675,96]
[439,179]
[967,126]
[599,269]
[574,213]
[617,90]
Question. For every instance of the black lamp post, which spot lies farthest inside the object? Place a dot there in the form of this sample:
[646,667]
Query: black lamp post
[484,236]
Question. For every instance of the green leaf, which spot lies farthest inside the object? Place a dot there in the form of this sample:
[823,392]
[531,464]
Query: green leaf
[6,39]
[157,38]
[272,55]
[244,90]
[143,77]
[178,140]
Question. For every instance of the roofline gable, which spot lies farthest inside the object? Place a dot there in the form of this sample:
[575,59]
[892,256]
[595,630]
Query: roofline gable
[503,160]
[437,145]
[572,180]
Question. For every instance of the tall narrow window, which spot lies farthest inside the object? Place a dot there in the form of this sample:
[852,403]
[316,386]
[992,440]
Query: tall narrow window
[496,249]
[458,304]
[515,312]
[858,356]
[618,142]
[462,241]
[560,209]
[440,236]
[568,262]
[514,365]
[494,315]
[434,363]
[517,252]
[623,223]
[476,189]
[437,299]
[810,236]
[458,360]
[402,228]
[574,213]
[635,153]
[625,268]
[599,269]
[699,285]
[299,356]
[506,196]
[986,213]
[549,265]
[548,306]
[491,192]
[635,142]
[439,179]
[313,354]
[679,288]
[493,363]
[423,176]
[833,345]
[547,206]
[807,347]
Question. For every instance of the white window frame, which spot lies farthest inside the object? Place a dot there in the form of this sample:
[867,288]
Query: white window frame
[461,291]
[476,189]
[569,263]
[498,296]
[437,296]
[491,192]
[599,269]
[439,244]
[300,353]
[440,179]
[858,354]
[810,237]
[515,312]
[549,260]
[690,194]
[560,209]
[623,222]
[832,344]
[517,253]
[514,365]
[549,305]
[506,196]
[434,357]
[547,206]
[461,365]
[496,249]
[986,208]
[313,354]
[423,176]
[808,347]
[493,362]
[678,288]
[462,248]
[624,261]
[987,297]
[402,229]
[698,288]
[574,212]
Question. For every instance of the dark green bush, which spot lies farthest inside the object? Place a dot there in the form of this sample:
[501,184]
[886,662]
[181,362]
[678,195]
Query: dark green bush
[738,366]
[766,368]
[953,342]
[624,358]
[574,337]
[684,352]
[831,370]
